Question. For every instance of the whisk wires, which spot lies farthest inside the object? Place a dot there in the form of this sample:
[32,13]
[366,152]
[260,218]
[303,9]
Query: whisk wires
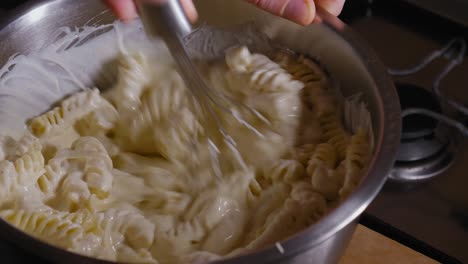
[207,99]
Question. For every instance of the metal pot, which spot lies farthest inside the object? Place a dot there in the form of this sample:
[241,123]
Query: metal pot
[347,59]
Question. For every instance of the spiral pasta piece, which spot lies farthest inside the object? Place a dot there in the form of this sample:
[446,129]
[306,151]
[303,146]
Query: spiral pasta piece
[26,144]
[263,74]
[97,167]
[64,116]
[271,91]
[99,159]
[23,172]
[164,125]
[131,82]
[90,144]
[358,151]
[48,182]
[309,199]
[164,201]
[357,157]
[301,69]
[49,226]
[239,59]
[29,167]
[99,121]
[300,210]
[303,153]
[324,156]
[269,201]
[171,130]
[138,231]
[8,145]
[182,239]
[316,92]
[129,255]
[8,179]
[334,133]
[328,182]
[95,178]
[285,171]
[166,98]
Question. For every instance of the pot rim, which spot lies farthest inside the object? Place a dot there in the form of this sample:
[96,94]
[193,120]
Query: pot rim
[386,144]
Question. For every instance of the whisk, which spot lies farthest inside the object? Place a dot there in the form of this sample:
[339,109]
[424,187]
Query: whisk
[167,19]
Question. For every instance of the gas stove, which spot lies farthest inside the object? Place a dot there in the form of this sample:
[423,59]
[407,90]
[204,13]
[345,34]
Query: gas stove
[424,204]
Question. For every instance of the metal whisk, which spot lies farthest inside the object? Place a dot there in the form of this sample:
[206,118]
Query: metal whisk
[167,19]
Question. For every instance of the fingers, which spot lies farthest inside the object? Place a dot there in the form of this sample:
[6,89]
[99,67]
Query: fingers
[299,11]
[126,9]
[123,9]
[334,7]
[190,10]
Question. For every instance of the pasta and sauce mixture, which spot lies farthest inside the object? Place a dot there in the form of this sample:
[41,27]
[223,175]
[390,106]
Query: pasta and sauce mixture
[126,174]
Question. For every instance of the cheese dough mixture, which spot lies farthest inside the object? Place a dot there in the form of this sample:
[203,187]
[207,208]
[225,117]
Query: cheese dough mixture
[129,173]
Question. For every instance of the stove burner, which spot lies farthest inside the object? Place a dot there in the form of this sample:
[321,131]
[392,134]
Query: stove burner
[423,169]
[425,148]
[412,96]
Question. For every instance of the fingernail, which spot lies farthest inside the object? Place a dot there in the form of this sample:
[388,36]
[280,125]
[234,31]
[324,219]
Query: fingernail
[300,11]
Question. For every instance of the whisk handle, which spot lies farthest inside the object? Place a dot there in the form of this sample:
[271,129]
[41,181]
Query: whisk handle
[164,18]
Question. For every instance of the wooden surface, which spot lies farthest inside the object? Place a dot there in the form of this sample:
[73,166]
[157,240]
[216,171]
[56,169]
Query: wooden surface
[369,247]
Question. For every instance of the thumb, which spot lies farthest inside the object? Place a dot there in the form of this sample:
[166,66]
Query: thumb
[299,11]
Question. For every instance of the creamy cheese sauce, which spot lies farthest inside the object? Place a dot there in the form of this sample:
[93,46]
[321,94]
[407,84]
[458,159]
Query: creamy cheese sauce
[138,173]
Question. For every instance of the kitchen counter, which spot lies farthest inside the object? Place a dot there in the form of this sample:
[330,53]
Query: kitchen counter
[366,247]
[369,247]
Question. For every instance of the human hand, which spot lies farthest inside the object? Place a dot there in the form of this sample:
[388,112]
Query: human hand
[299,11]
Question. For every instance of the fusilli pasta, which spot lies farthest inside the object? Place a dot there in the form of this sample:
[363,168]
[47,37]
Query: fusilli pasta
[22,172]
[285,171]
[328,182]
[142,174]
[29,167]
[137,230]
[303,153]
[75,174]
[334,133]
[132,78]
[26,144]
[63,116]
[49,226]
[325,156]
[316,86]
[7,147]
[100,121]
[8,179]
[357,158]
[164,124]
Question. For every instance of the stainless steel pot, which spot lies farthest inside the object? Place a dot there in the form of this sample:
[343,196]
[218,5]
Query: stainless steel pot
[348,60]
